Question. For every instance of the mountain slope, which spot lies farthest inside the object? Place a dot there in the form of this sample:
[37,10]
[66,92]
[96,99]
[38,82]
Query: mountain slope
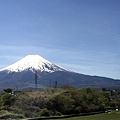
[22,75]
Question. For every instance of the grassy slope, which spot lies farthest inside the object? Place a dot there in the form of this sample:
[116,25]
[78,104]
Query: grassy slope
[104,116]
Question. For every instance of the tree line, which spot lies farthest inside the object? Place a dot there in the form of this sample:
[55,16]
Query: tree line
[64,100]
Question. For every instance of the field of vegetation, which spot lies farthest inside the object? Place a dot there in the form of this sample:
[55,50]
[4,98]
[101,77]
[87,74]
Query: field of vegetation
[65,100]
[105,116]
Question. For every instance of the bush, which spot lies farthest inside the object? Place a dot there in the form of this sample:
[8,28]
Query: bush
[6,100]
[5,115]
[2,112]
[45,112]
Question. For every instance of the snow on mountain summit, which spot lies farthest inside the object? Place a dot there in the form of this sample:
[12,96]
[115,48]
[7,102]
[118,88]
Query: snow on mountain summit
[33,62]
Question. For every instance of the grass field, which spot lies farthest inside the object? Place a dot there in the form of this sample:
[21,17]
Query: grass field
[104,116]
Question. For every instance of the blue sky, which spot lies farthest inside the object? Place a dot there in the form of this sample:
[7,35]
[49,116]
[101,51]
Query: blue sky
[79,35]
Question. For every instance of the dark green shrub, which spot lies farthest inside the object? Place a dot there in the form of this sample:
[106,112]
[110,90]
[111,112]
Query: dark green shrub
[5,115]
[6,99]
[45,112]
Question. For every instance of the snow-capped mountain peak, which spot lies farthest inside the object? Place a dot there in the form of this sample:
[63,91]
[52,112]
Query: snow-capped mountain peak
[33,62]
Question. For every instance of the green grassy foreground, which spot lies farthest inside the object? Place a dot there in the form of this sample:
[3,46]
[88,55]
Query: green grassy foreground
[104,116]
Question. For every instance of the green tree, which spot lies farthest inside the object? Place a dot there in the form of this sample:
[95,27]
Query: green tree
[62,103]
[6,100]
[104,100]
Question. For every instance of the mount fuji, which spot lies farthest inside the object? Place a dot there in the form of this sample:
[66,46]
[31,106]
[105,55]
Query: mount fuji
[33,63]
[22,75]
